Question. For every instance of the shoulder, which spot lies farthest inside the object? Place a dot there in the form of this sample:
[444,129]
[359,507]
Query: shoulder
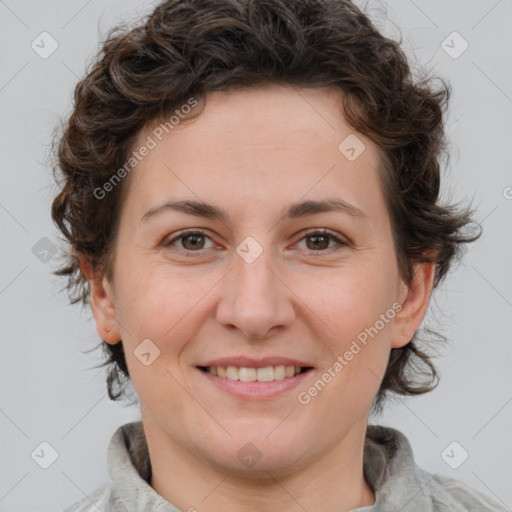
[400,484]
[102,499]
[447,493]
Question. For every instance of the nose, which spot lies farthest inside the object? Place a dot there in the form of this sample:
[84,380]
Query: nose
[255,298]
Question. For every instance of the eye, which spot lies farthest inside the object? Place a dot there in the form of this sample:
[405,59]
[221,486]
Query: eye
[320,240]
[194,240]
[190,240]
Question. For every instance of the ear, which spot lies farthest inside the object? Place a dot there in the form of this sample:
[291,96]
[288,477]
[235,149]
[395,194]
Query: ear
[102,303]
[415,299]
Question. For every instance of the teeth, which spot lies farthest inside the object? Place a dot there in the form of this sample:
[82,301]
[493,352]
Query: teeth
[232,373]
[279,372]
[267,374]
[247,374]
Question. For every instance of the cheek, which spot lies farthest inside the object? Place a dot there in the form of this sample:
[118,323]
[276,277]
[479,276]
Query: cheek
[154,298]
[359,320]
[354,299]
[156,304]
[358,314]
[165,306]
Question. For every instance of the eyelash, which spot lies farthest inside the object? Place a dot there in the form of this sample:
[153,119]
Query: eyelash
[324,232]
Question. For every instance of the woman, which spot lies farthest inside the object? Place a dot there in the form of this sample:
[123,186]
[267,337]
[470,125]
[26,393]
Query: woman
[250,192]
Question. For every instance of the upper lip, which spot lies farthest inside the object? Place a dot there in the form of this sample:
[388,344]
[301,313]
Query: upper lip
[249,362]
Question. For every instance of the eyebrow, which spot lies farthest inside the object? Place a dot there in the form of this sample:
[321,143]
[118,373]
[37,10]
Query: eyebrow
[294,211]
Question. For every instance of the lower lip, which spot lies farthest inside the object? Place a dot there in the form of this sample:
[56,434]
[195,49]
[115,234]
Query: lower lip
[255,390]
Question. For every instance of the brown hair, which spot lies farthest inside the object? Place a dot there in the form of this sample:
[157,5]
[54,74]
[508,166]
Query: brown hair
[188,48]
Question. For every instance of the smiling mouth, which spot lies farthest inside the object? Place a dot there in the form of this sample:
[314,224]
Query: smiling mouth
[265,374]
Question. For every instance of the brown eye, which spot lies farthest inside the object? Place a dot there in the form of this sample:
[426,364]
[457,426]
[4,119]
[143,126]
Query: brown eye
[195,241]
[190,241]
[319,241]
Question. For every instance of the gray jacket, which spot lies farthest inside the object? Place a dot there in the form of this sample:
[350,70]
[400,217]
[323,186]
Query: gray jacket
[389,467]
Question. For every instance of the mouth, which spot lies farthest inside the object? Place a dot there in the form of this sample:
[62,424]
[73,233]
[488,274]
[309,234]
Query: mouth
[251,374]
[258,381]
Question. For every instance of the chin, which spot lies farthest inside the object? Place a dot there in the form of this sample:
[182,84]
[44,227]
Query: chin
[253,464]
[256,456]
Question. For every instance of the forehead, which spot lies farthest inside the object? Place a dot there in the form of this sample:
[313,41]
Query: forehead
[263,145]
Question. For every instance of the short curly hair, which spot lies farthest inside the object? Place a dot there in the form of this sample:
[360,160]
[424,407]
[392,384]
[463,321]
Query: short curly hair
[189,48]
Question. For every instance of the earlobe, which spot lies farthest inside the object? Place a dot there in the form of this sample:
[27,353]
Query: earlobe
[416,298]
[102,304]
[85,268]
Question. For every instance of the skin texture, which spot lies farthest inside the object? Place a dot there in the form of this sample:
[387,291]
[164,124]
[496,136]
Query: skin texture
[253,153]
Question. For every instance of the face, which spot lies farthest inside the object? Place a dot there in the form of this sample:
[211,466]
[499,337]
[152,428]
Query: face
[263,284]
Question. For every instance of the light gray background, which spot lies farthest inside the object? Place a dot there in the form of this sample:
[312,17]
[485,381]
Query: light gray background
[48,391]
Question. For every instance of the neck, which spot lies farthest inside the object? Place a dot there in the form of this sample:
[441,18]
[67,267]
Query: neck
[191,483]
